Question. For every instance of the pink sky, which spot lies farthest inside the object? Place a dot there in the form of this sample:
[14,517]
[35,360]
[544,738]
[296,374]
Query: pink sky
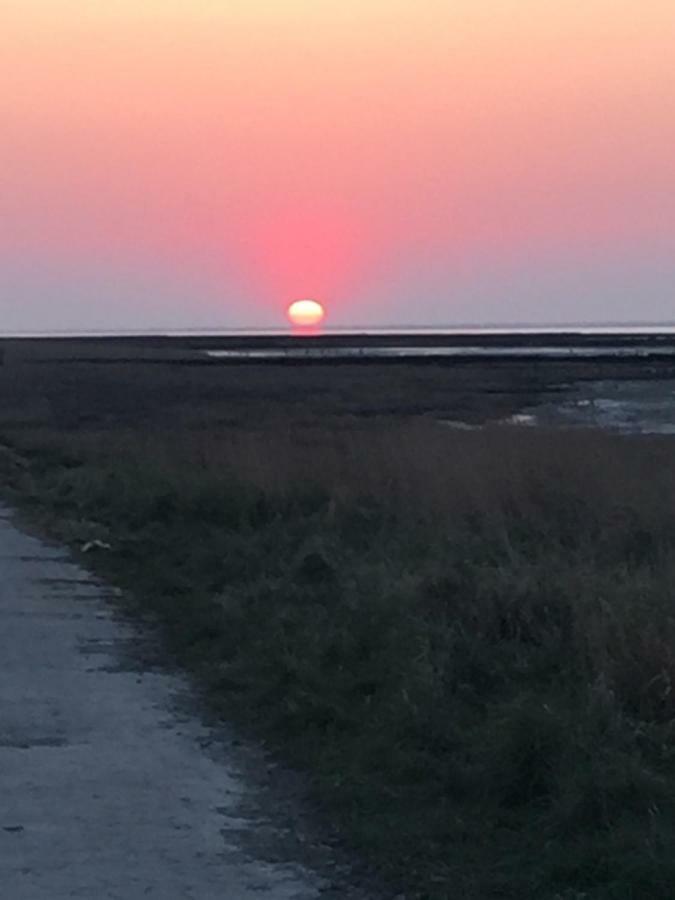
[193,163]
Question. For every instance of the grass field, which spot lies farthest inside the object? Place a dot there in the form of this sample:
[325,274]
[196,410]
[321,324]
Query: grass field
[467,639]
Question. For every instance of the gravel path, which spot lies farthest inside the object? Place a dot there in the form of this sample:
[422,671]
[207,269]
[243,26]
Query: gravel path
[108,791]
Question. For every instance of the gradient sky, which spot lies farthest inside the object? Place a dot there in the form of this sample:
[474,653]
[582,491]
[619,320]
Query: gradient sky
[194,163]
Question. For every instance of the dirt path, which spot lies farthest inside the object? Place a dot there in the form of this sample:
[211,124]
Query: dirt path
[107,790]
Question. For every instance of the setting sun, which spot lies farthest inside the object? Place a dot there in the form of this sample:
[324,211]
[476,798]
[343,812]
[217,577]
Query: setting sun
[306,313]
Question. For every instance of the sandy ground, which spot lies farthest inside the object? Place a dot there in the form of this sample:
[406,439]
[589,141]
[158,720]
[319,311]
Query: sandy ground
[109,788]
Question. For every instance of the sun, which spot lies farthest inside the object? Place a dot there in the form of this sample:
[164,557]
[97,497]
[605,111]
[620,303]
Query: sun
[306,313]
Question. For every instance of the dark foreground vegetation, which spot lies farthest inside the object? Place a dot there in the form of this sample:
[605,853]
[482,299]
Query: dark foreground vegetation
[466,638]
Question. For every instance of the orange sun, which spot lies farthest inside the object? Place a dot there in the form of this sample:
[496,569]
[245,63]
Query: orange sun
[306,313]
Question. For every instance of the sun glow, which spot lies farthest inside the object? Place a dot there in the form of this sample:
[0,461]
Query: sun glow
[436,163]
[306,313]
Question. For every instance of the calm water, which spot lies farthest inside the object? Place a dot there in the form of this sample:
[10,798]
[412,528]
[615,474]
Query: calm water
[525,330]
[412,352]
[628,407]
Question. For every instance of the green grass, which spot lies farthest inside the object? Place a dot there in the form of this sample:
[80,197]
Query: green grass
[467,639]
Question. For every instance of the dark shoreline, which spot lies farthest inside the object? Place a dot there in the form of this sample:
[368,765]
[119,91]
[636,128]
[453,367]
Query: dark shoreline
[365,339]
[653,356]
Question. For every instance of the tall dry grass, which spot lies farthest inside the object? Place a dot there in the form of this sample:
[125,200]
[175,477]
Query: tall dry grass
[468,637]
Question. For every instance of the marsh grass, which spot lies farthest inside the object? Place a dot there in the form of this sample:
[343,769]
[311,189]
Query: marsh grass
[468,639]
